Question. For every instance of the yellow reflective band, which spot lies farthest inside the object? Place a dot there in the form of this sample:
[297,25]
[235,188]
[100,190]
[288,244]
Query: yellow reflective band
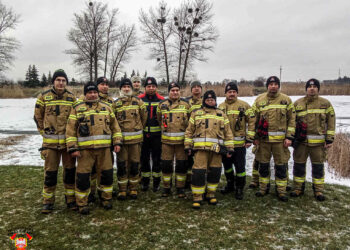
[311,111]
[188,140]
[198,190]
[40,102]
[155,174]
[106,189]
[330,110]
[47,195]
[166,178]
[276,137]
[228,170]
[241,174]
[94,142]
[316,140]
[249,112]
[41,132]
[255,171]
[146,174]
[215,117]
[318,181]
[112,115]
[60,103]
[276,106]
[299,179]
[189,171]
[180,177]
[72,117]
[204,144]
[233,112]
[127,108]
[118,134]
[70,139]
[264,180]
[123,181]
[238,142]
[330,132]
[132,137]
[143,106]
[212,187]
[229,143]
[53,141]
[226,121]
[251,133]
[133,181]
[81,194]
[173,138]
[281,183]
[92,112]
[196,106]
[191,120]
[291,129]
[69,192]
[175,111]
[152,129]
[291,106]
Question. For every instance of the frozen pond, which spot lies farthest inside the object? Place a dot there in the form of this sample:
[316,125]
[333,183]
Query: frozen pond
[17,118]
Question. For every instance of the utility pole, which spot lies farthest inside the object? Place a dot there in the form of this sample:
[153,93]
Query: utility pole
[281,73]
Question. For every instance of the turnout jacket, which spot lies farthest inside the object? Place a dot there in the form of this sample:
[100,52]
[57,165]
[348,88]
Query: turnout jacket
[173,118]
[319,116]
[242,120]
[207,128]
[194,103]
[92,125]
[51,115]
[279,112]
[131,114]
[151,102]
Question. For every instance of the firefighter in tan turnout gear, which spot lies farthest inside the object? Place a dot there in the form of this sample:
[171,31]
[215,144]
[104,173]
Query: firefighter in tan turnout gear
[315,130]
[208,134]
[136,85]
[103,87]
[275,114]
[242,123]
[131,114]
[173,114]
[91,130]
[195,102]
[52,109]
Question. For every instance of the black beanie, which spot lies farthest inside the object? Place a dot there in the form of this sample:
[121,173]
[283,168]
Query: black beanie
[101,80]
[312,81]
[125,81]
[231,86]
[59,72]
[273,79]
[90,86]
[173,85]
[149,81]
[209,94]
[196,83]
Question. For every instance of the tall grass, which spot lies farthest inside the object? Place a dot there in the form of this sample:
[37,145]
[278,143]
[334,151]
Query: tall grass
[339,155]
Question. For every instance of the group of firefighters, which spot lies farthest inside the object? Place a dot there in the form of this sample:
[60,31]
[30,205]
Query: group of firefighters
[153,137]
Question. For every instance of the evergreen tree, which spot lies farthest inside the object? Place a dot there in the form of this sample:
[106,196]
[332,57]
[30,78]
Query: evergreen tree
[49,78]
[73,82]
[138,73]
[28,72]
[43,82]
[145,75]
[133,73]
[125,75]
[34,76]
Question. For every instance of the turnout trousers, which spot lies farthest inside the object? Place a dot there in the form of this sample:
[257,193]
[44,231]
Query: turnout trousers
[206,173]
[102,159]
[52,161]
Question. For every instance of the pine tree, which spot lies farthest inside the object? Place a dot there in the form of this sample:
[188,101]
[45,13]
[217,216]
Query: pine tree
[34,77]
[72,82]
[138,73]
[49,78]
[145,75]
[133,73]
[43,81]
[125,75]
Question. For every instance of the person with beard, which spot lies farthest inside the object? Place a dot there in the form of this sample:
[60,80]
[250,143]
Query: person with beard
[208,135]
[315,130]
[151,146]
[242,124]
[172,115]
[275,115]
[131,114]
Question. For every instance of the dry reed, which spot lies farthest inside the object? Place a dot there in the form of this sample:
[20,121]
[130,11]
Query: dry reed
[339,155]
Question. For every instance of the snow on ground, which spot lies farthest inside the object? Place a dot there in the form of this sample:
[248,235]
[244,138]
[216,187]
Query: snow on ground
[17,117]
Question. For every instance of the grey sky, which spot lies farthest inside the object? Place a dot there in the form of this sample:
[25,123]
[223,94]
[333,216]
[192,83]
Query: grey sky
[308,38]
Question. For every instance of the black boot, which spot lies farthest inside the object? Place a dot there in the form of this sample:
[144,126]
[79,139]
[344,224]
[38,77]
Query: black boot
[145,183]
[166,192]
[229,188]
[239,194]
[240,183]
[91,198]
[156,183]
[47,209]
[181,193]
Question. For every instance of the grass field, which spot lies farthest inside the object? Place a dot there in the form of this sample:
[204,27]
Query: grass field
[152,222]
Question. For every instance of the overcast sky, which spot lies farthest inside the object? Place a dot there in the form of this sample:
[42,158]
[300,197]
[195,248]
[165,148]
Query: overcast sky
[309,38]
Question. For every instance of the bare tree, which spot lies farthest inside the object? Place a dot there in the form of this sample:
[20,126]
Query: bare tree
[8,45]
[195,34]
[121,49]
[157,28]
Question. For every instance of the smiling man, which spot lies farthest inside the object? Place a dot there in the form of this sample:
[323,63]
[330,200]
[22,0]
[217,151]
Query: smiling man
[52,109]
